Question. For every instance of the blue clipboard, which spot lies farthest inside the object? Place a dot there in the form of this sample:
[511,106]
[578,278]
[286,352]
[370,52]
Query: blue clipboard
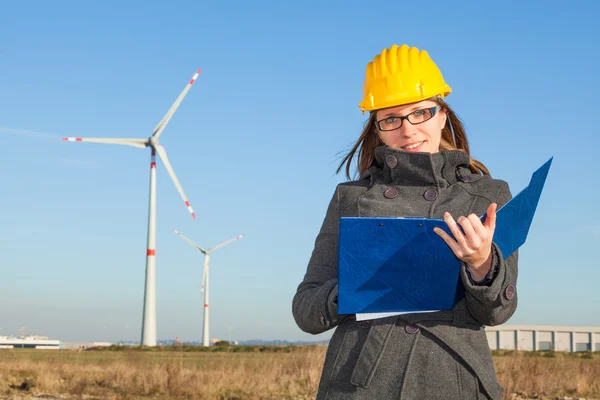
[402,265]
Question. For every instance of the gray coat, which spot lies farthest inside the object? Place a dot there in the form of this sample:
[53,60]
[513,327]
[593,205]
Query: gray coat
[439,355]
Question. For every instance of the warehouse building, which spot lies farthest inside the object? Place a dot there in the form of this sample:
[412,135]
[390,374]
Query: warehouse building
[29,342]
[544,337]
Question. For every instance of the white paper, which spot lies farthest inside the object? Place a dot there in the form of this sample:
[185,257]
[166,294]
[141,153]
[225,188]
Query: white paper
[366,316]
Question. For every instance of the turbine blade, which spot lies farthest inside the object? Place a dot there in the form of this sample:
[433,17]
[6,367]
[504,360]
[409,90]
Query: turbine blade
[162,153]
[226,242]
[140,143]
[163,122]
[188,240]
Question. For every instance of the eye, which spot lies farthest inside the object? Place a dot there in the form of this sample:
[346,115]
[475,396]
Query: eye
[419,113]
[390,120]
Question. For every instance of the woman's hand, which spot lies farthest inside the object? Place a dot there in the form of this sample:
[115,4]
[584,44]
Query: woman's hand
[474,246]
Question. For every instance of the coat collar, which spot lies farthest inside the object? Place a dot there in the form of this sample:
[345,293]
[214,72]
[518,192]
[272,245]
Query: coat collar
[397,167]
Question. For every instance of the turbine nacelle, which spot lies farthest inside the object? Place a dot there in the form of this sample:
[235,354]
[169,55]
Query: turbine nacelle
[153,142]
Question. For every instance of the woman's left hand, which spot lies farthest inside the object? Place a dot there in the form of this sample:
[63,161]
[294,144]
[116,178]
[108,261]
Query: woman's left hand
[474,246]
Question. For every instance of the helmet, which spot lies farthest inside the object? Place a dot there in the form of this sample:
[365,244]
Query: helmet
[401,75]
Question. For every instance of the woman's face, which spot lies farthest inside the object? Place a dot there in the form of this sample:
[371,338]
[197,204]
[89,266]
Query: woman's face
[421,132]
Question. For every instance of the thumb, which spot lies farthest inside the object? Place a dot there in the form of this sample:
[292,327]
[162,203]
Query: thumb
[490,220]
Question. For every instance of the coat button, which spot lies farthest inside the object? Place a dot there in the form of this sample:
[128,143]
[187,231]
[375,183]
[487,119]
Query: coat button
[509,292]
[412,329]
[391,161]
[390,193]
[430,194]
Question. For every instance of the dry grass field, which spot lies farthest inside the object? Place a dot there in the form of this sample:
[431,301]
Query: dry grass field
[259,373]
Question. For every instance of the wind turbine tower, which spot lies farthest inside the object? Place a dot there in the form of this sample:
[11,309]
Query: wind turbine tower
[205,327]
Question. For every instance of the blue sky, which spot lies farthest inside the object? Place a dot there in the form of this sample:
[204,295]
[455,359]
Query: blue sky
[255,145]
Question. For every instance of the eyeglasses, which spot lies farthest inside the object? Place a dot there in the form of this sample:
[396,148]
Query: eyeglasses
[416,117]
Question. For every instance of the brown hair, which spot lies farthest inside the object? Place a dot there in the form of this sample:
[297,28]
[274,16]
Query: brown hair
[454,137]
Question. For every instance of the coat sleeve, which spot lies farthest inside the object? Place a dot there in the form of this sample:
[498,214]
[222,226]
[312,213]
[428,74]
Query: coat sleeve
[315,303]
[494,300]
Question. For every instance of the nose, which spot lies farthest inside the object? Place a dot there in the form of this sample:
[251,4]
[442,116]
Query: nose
[407,129]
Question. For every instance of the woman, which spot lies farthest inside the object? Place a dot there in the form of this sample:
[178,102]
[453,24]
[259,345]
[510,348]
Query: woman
[414,161]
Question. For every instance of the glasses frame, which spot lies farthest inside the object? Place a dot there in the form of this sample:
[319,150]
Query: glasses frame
[433,111]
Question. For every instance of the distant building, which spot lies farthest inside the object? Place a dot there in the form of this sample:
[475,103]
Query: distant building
[42,342]
[85,345]
[544,337]
[29,342]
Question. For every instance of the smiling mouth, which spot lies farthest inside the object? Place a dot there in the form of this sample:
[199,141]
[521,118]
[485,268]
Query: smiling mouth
[413,146]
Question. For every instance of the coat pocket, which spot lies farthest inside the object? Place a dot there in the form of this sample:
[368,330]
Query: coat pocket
[342,354]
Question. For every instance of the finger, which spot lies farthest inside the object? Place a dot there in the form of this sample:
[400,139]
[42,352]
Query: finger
[473,239]
[490,220]
[454,246]
[460,238]
[478,227]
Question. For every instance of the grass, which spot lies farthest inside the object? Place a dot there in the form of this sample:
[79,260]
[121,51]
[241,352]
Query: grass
[231,373]
[166,374]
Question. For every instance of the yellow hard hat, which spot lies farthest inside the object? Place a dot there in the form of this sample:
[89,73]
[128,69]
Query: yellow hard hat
[401,75]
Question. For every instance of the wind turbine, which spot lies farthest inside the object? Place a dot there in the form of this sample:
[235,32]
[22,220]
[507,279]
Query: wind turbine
[149,313]
[205,278]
